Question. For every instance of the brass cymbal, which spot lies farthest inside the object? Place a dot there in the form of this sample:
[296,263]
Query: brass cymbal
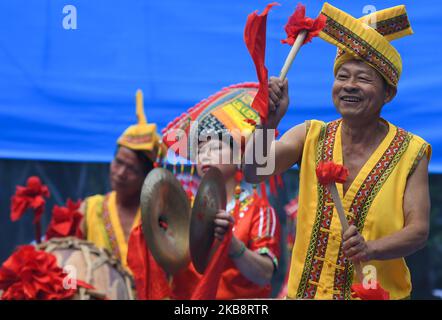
[210,198]
[165,216]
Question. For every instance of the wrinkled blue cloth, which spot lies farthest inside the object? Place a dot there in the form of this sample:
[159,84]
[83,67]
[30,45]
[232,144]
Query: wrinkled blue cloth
[67,94]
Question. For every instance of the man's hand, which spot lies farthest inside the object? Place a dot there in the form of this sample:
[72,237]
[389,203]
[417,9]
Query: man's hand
[354,245]
[278,101]
[222,222]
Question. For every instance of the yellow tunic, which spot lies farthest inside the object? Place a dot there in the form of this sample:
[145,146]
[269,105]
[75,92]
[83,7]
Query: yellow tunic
[373,202]
[103,226]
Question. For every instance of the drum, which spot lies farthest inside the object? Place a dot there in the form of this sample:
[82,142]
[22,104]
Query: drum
[82,260]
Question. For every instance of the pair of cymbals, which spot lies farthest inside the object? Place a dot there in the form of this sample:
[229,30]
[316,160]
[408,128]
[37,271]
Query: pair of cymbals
[174,234]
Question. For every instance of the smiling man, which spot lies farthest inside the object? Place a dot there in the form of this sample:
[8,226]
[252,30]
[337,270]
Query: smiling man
[385,197]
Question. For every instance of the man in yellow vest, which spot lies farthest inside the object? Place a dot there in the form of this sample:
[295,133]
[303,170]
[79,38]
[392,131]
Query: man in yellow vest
[385,198]
[109,219]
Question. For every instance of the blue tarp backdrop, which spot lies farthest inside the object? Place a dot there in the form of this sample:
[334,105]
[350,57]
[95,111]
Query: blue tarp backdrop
[67,94]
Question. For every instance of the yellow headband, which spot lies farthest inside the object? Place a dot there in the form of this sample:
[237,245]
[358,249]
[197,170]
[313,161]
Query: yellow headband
[356,39]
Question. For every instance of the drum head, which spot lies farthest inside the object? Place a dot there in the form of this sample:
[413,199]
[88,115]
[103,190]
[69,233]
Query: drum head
[84,261]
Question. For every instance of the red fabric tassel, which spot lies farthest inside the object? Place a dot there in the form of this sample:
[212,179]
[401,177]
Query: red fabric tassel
[208,285]
[65,221]
[150,279]
[378,293]
[255,39]
[298,21]
[329,172]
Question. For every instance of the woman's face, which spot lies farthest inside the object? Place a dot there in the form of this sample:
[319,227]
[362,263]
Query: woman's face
[215,153]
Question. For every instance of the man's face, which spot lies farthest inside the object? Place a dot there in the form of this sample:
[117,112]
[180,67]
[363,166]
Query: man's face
[126,172]
[215,153]
[359,91]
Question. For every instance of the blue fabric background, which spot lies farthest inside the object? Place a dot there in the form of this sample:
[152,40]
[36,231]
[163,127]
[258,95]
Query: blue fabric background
[66,95]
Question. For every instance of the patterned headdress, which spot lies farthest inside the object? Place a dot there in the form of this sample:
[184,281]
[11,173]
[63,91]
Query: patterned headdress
[227,112]
[142,136]
[368,38]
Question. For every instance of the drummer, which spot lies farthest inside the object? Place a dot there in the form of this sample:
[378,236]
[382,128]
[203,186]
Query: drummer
[109,218]
[254,250]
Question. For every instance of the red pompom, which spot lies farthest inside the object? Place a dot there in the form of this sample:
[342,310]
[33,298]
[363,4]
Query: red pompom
[329,172]
[298,21]
[377,293]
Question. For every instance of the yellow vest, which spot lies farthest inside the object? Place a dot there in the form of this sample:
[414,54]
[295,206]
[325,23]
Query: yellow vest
[103,226]
[374,203]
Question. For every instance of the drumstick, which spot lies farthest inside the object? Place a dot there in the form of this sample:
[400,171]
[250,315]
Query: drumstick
[292,54]
[344,223]
[330,173]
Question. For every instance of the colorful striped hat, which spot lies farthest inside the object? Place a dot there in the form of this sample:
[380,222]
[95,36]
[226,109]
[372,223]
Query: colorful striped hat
[368,38]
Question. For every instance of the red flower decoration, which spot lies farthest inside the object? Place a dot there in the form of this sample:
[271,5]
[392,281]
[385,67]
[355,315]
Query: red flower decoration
[377,293]
[298,21]
[31,196]
[65,221]
[329,172]
[30,274]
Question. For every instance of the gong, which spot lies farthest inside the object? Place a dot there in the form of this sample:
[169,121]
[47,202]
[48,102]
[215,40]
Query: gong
[210,198]
[165,215]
